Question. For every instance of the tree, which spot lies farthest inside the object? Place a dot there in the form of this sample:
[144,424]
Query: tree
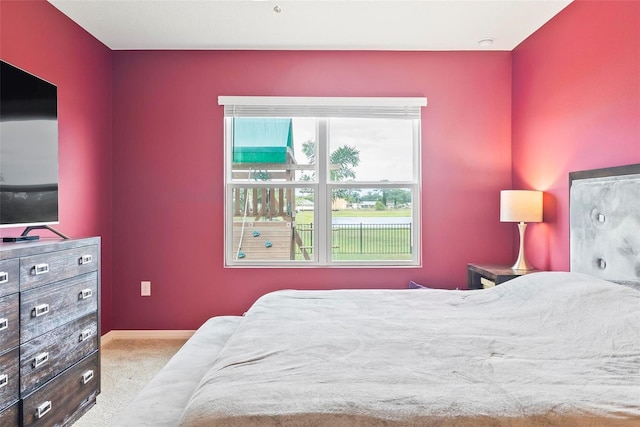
[371,196]
[309,150]
[397,196]
[341,164]
[388,196]
[380,206]
[345,158]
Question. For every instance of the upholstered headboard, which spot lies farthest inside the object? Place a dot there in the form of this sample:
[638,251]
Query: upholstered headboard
[605,223]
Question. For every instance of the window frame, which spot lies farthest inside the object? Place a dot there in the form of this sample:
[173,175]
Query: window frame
[322,109]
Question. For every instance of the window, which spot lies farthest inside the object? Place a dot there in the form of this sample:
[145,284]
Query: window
[322,181]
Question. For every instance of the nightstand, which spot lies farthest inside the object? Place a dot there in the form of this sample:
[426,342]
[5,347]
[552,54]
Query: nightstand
[482,276]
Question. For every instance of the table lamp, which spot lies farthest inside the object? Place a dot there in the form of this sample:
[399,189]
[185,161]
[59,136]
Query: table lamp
[521,206]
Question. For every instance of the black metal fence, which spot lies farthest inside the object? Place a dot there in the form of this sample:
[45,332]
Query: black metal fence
[362,238]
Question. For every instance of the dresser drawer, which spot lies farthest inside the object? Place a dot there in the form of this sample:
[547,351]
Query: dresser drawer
[9,321]
[9,377]
[45,308]
[44,357]
[9,276]
[55,402]
[10,416]
[38,270]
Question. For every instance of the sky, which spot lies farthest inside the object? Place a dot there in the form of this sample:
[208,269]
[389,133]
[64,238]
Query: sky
[385,145]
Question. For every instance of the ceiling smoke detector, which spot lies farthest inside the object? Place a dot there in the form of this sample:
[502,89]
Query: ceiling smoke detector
[486,42]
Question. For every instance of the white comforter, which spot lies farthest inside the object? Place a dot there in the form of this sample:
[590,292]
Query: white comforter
[545,342]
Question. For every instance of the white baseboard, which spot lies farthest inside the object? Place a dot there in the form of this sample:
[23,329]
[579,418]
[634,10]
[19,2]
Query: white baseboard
[145,335]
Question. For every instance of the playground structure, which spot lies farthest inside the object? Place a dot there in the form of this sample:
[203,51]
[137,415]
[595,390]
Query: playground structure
[264,226]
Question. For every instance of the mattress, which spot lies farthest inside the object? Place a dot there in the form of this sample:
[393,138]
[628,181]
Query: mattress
[544,349]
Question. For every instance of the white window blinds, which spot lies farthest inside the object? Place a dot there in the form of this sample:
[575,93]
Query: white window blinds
[369,107]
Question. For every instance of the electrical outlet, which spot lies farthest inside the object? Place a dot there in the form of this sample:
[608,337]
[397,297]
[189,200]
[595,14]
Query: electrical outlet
[145,288]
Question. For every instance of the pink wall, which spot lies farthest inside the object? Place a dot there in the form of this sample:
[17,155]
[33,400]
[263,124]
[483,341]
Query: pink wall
[168,179]
[36,37]
[576,106]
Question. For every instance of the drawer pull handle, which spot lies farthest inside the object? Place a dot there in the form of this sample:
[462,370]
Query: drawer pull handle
[85,293]
[40,269]
[86,259]
[4,277]
[4,380]
[87,376]
[40,310]
[43,409]
[4,324]
[85,334]
[40,360]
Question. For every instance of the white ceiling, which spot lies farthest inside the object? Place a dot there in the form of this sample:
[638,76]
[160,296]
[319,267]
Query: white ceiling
[310,24]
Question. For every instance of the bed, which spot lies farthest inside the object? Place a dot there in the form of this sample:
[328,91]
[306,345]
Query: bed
[545,349]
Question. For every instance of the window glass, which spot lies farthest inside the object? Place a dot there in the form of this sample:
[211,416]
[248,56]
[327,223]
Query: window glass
[371,150]
[264,224]
[273,149]
[372,224]
[322,184]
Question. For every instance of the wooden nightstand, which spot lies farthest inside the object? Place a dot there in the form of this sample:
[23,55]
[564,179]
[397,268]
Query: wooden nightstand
[480,276]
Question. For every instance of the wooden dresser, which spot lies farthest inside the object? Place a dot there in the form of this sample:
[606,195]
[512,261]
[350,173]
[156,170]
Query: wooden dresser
[49,331]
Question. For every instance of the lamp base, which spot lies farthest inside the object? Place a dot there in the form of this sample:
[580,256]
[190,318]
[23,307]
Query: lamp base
[521,263]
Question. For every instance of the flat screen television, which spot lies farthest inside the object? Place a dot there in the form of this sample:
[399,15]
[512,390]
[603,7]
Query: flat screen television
[28,149]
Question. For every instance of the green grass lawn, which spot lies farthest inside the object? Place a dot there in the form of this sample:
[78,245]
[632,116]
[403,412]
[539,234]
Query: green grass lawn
[369,244]
[360,245]
[371,257]
[306,217]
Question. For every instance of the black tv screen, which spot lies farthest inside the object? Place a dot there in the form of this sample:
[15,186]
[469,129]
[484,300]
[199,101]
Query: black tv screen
[28,149]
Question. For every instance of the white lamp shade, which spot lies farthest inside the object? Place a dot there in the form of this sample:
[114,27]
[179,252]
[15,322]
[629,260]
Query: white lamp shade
[520,206]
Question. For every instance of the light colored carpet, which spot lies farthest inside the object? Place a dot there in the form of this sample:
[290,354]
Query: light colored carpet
[127,366]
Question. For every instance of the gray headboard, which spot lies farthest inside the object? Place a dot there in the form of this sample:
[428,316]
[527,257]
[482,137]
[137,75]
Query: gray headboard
[605,223]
